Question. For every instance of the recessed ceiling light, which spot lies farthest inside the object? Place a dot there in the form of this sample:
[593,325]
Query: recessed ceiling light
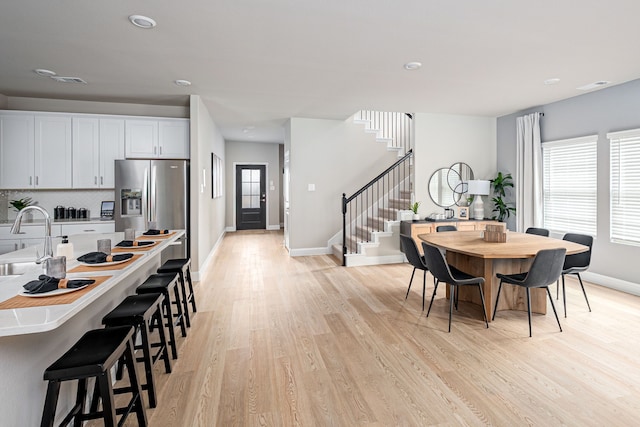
[552,81]
[142,21]
[44,73]
[594,85]
[410,66]
[183,82]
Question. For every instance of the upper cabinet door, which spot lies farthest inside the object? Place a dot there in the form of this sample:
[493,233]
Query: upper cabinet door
[85,152]
[111,149]
[16,151]
[173,139]
[53,152]
[141,138]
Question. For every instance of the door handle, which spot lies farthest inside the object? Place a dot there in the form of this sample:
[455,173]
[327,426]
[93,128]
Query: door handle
[264,198]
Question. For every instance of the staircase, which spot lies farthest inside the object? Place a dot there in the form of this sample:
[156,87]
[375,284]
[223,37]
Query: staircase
[372,215]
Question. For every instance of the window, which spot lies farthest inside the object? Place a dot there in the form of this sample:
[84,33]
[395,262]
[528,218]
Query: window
[569,185]
[625,186]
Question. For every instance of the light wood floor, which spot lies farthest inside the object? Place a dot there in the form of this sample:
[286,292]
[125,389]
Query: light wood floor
[280,341]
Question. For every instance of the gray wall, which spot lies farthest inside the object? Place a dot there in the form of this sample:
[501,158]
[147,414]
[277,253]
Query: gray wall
[337,156]
[207,214]
[596,113]
[254,153]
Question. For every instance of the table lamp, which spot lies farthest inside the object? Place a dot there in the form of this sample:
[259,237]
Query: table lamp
[478,188]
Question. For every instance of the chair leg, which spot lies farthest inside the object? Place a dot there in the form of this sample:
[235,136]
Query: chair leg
[410,282]
[558,289]
[185,300]
[451,291]
[108,406]
[564,297]
[495,307]
[554,308]
[79,408]
[584,292]
[50,403]
[484,309]
[435,289]
[191,293]
[529,309]
[424,287]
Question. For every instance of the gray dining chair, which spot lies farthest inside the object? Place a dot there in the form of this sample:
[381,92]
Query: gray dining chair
[576,264]
[545,269]
[441,228]
[538,231]
[410,250]
[446,273]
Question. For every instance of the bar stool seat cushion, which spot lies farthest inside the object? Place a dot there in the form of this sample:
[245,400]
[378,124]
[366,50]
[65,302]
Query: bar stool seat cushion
[91,355]
[174,265]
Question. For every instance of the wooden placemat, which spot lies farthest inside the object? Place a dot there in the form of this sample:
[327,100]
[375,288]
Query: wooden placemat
[20,301]
[87,269]
[155,236]
[135,248]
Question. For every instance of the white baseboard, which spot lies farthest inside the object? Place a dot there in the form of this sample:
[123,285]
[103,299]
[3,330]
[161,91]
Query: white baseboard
[208,259]
[310,251]
[611,282]
[232,228]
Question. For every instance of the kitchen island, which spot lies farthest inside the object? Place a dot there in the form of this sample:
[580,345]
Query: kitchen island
[32,338]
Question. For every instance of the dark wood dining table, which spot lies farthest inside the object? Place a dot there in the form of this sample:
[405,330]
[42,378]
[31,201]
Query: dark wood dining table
[468,252]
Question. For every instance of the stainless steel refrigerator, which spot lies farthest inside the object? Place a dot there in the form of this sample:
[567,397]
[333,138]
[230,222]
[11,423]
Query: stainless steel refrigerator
[153,191]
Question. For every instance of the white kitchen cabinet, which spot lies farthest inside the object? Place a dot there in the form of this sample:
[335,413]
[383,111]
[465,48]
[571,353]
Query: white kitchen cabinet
[111,149]
[16,151]
[35,151]
[9,245]
[97,143]
[31,234]
[173,139]
[71,229]
[157,138]
[52,152]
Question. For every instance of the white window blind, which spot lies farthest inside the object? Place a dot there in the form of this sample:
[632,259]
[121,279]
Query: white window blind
[625,186]
[569,184]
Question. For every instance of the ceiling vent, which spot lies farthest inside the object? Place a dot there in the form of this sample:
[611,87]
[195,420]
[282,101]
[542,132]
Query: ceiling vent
[594,85]
[68,79]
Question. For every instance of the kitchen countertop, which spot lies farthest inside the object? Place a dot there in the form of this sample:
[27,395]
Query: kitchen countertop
[40,319]
[40,221]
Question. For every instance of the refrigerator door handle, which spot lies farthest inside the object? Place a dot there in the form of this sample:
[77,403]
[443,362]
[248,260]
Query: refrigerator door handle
[153,214]
[145,196]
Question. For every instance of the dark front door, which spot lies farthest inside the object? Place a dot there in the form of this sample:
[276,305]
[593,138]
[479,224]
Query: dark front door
[251,197]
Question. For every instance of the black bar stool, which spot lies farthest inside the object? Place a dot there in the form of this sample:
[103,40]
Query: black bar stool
[182,266]
[93,356]
[143,312]
[166,284]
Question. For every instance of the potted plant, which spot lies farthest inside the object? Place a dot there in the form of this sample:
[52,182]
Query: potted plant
[414,207]
[502,208]
[20,204]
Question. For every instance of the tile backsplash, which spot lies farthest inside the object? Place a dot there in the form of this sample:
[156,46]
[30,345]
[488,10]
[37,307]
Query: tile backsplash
[49,199]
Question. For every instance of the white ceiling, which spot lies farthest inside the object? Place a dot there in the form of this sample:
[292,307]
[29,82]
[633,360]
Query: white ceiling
[258,62]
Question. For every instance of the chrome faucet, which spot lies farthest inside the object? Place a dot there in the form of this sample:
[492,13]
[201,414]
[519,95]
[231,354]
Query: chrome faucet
[48,248]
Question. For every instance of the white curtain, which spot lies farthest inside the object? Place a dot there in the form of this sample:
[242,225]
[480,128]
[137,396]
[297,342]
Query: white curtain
[528,179]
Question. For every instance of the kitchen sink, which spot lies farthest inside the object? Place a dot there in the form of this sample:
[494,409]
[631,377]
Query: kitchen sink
[15,268]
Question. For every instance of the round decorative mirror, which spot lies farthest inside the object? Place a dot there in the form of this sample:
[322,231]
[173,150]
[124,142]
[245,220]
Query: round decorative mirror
[458,181]
[447,186]
[439,190]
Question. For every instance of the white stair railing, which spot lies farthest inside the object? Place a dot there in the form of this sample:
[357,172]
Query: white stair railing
[395,128]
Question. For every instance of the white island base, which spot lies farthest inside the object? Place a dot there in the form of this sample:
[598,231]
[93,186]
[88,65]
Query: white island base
[32,338]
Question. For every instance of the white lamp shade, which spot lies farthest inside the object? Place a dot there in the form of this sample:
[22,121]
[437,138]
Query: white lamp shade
[479,187]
